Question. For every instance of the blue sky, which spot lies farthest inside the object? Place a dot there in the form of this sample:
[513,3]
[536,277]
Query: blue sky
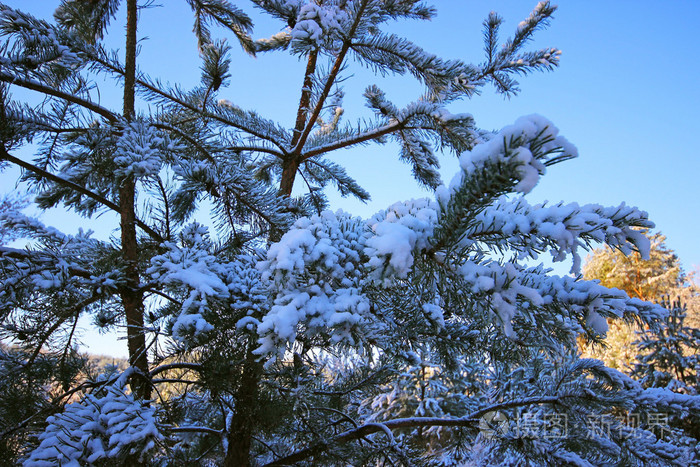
[626,94]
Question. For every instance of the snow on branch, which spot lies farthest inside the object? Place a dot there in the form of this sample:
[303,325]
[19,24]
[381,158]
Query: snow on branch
[140,150]
[530,144]
[207,283]
[517,225]
[589,299]
[36,47]
[106,424]
[509,60]
[511,160]
[319,23]
[398,232]
[314,272]
[386,53]
[191,266]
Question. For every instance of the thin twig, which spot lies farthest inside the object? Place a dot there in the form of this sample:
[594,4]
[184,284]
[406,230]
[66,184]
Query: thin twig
[36,86]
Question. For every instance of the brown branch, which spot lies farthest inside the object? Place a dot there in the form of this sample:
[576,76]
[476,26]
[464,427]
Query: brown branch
[243,200]
[305,99]
[331,80]
[43,340]
[35,86]
[412,422]
[52,129]
[26,255]
[4,155]
[376,133]
[311,192]
[175,380]
[193,429]
[347,142]
[175,366]
[161,294]
[187,138]
[211,159]
[274,152]
[166,207]
[358,385]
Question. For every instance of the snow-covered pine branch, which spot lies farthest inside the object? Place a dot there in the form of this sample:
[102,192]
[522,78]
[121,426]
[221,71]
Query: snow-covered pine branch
[562,229]
[108,423]
[511,160]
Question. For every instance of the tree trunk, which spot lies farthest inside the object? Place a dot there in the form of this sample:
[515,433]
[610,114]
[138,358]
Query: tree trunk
[305,99]
[289,172]
[291,163]
[132,298]
[245,414]
[244,418]
[130,59]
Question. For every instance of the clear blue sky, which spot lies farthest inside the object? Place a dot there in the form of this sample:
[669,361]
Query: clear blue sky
[626,94]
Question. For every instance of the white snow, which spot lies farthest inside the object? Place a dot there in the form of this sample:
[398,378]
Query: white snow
[398,232]
[531,133]
[515,224]
[139,150]
[105,424]
[317,23]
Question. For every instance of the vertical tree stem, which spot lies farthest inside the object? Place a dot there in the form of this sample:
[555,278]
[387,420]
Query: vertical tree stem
[131,295]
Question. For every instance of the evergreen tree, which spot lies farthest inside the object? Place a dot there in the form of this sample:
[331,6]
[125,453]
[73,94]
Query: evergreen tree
[647,279]
[294,334]
[665,356]
[689,296]
[670,357]
[654,279]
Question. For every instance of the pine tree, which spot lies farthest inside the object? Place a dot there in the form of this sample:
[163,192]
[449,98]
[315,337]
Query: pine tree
[654,279]
[294,334]
[667,355]
[670,356]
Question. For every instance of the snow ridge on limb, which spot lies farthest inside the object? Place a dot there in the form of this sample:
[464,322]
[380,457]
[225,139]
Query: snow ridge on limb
[398,233]
[511,160]
[105,424]
[527,229]
[314,274]
[526,147]
[588,299]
